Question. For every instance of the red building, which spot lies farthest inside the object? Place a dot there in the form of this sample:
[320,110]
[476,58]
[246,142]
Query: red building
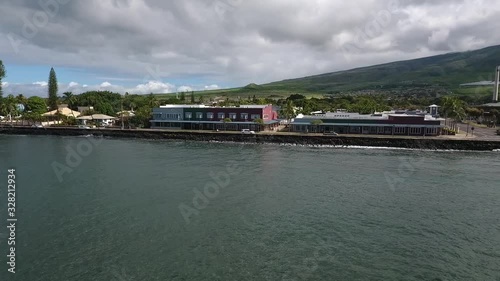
[201,117]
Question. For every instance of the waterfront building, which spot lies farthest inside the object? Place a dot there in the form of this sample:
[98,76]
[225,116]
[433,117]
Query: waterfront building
[202,117]
[99,119]
[62,109]
[386,123]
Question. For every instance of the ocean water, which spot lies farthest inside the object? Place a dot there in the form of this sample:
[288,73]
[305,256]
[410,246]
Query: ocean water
[125,210]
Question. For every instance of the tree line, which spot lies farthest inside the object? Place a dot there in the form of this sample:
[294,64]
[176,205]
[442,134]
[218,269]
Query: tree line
[115,104]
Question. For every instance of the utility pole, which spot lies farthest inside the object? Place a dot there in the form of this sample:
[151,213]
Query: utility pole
[497,78]
[121,113]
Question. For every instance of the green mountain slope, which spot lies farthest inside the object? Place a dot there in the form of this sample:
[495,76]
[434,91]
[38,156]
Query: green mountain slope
[447,71]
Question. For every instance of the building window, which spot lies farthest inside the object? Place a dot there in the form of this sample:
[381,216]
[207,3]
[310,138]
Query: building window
[415,131]
[221,115]
[399,130]
[431,131]
[244,116]
[210,115]
[355,130]
[188,115]
[266,116]
[199,115]
[232,116]
[167,116]
[255,116]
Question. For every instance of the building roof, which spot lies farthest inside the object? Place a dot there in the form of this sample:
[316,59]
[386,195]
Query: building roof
[493,104]
[97,117]
[356,116]
[126,113]
[481,83]
[64,111]
[205,106]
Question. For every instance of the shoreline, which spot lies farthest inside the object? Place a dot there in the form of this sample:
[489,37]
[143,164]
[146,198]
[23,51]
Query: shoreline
[428,143]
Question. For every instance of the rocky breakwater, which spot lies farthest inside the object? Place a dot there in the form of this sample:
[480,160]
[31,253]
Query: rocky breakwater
[290,139]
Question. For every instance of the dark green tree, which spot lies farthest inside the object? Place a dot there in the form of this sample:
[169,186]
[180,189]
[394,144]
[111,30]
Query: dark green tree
[36,105]
[192,98]
[288,111]
[53,89]
[153,101]
[317,123]
[21,99]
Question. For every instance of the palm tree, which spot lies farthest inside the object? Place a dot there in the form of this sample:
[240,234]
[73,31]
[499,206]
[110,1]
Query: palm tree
[317,123]
[152,101]
[225,121]
[132,106]
[21,99]
[70,99]
[453,108]
[260,123]
[11,106]
[3,107]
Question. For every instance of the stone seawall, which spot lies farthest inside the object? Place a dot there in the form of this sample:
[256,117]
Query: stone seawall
[293,139]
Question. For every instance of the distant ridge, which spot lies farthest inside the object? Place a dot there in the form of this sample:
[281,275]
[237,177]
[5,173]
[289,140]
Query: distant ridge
[448,71]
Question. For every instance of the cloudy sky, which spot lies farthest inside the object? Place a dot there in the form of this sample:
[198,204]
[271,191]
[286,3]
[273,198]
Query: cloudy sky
[143,46]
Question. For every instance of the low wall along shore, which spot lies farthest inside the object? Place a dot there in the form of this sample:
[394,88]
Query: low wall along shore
[293,139]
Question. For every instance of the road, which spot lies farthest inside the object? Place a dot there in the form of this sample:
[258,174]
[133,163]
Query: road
[480,133]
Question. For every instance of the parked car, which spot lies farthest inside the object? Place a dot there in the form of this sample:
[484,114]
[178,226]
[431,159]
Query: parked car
[37,126]
[247,132]
[83,127]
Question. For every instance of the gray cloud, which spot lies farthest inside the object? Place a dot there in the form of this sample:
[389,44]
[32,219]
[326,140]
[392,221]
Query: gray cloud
[234,42]
[40,88]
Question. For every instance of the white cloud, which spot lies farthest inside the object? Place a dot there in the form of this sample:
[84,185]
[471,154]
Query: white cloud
[73,84]
[184,89]
[212,87]
[41,83]
[153,87]
[106,85]
[5,84]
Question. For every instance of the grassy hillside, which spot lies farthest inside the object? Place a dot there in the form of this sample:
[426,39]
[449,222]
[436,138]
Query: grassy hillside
[447,71]
[437,73]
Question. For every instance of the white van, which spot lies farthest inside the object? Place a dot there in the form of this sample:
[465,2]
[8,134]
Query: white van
[247,132]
